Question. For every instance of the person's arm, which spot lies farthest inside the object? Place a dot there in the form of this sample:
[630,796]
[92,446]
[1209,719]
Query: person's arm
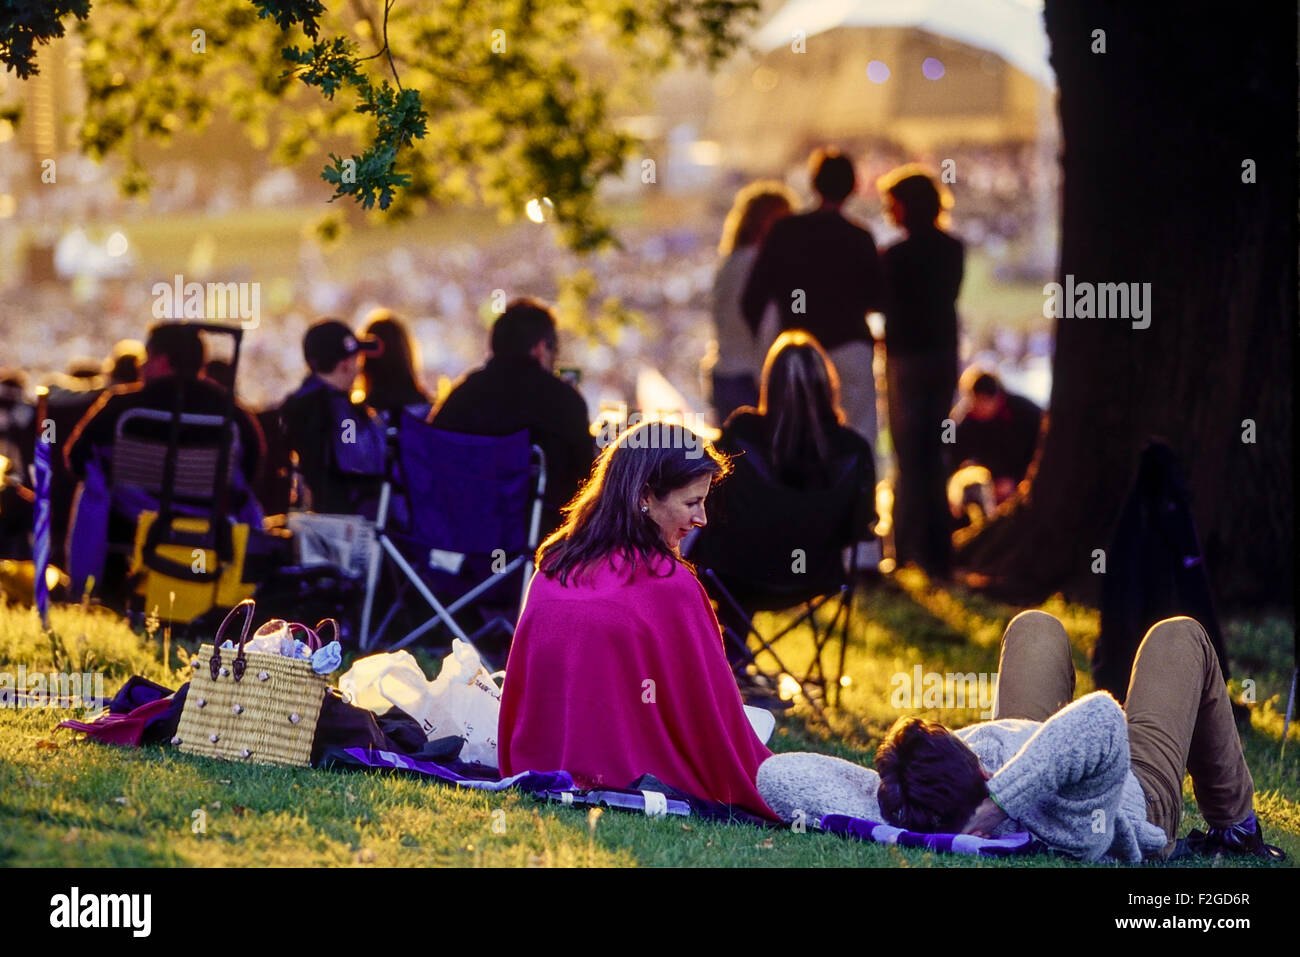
[1073,766]
[253,445]
[873,276]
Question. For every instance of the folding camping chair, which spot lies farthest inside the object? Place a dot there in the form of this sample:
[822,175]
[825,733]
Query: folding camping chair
[473,518]
[769,547]
[186,548]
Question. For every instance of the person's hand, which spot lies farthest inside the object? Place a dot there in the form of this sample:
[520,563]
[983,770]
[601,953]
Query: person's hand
[984,819]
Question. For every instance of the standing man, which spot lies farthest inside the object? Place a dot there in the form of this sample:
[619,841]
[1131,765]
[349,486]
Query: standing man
[823,273]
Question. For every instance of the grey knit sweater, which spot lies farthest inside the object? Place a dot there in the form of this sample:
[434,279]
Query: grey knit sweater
[1067,780]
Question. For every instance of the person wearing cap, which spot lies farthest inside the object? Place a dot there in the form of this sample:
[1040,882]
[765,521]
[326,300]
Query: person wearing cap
[518,390]
[339,443]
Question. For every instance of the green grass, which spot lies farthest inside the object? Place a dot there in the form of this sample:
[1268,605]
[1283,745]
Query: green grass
[65,801]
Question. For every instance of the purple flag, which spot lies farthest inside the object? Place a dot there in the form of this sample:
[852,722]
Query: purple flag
[41,532]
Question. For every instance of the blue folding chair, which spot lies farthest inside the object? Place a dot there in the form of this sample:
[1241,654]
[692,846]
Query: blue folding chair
[472,520]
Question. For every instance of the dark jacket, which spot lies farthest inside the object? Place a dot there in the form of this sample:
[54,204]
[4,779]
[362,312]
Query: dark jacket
[923,275]
[97,429]
[505,397]
[835,264]
[1005,444]
[765,532]
[341,476]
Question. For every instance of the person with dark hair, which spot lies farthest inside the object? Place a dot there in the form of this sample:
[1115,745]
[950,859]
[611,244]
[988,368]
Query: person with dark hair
[923,275]
[123,366]
[822,272]
[617,669]
[996,430]
[391,378]
[1090,779]
[340,444]
[518,390]
[795,440]
[173,358]
[174,355]
[738,360]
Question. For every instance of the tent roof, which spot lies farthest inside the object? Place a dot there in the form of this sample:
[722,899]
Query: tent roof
[1013,29]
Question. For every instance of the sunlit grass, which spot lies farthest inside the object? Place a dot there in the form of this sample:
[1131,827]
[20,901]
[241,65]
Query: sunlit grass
[65,801]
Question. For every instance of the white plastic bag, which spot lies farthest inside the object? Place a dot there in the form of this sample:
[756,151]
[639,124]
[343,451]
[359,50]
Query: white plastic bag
[361,682]
[467,701]
[463,701]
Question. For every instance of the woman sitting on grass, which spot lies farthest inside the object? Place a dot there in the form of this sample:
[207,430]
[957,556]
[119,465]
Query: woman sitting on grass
[617,668]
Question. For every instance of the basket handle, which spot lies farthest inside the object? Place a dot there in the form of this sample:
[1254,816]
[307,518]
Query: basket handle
[311,639]
[214,665]
[334,626]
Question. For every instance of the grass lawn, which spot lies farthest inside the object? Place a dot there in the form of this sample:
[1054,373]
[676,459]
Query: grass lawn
[71,802]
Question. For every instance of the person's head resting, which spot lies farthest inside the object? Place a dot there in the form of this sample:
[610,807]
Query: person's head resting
[983,393]
[754,210]
[799,396]
[172,349]
[930,781]
[645,493]
[832,175]
[333,353]
[913,199]
[395,367]
[526,329]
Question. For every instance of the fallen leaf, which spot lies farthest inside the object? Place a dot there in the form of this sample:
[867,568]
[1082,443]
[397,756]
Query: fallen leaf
[239,809]
[365,855]
[216,805]
[45,744]
[223,780]
[122,801]
[766,845]
[687,827]
[73,835]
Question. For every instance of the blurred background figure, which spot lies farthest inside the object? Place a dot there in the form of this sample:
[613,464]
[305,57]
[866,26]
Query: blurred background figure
[740,349]
[823,273]
[997,431]
[123,366]
[923,275]
[391,377]
[516,390]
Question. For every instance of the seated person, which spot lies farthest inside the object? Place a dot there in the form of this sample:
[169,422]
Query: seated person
[996,430]
[391,379]
[516,390]
[1090,779]
[174,357]
[617,669]
[811,478]
[340,444]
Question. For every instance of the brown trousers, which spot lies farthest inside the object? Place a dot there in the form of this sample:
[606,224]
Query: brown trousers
[1178,713]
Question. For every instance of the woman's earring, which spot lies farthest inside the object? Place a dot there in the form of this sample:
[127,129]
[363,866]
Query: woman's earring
[645,509]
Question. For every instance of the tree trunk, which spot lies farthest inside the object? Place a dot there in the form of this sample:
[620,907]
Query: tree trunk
[1155,132]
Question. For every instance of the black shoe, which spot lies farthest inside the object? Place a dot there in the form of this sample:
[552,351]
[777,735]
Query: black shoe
[1235,840]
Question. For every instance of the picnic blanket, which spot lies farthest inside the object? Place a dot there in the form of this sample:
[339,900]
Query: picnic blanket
[143,712]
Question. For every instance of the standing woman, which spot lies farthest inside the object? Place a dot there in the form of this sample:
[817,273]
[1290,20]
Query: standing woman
[740,349]
[617,668]
[923,275]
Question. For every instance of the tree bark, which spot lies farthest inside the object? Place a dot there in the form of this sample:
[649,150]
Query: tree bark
[1155,132]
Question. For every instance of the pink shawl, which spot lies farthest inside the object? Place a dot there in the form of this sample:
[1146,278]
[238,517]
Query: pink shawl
[625,675]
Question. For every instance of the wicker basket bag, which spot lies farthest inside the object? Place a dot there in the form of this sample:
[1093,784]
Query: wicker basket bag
[256,707]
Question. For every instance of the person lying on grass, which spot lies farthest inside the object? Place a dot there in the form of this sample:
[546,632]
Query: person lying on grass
[1089,778]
